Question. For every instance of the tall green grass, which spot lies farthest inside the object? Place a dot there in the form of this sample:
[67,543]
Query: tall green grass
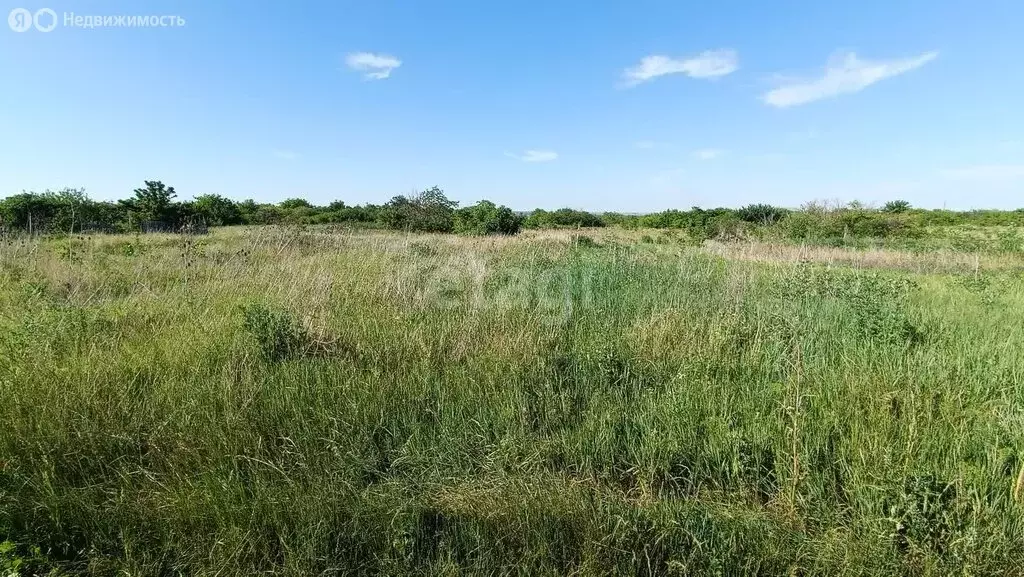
[290,402]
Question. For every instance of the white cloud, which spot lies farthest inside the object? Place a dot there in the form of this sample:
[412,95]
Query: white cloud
[286,154]
[534,156]
[844,73]
[709,64]
[373,66]
[708,153]
[986,172]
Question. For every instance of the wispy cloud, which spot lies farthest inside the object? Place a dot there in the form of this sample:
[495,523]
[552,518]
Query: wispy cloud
[708,153]
[534,156]
[286,154]
[986,172]
[373,66]
[709,64]
[844,73]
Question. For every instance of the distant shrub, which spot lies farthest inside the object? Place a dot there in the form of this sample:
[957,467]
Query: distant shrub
[700,224]
[804,225]
[896,206]
[726,226]
[821,224]
[619,219]
[563,217]
[485,218]
[765,214]
[216,210]
[293,203]
[427,211]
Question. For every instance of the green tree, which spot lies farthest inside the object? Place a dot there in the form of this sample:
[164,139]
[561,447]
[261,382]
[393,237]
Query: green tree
[485,218]
[154,202]
[217,210]
[563,217]
[59,211]
[896,206]
[426,211]
[25,210]
[293,203]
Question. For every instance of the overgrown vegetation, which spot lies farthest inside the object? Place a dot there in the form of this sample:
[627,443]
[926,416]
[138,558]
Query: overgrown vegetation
[894,225]
[485,218]
[299,401]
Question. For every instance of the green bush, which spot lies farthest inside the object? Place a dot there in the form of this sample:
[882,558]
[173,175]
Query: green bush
[563,217]
[485,218]
[896,206]
[278,336]
[765,214]
[427,211]
[820,224]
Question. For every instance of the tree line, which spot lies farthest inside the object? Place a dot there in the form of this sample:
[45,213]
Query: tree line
[72,211]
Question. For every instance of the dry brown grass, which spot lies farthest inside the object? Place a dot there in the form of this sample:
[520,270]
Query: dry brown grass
[931,262]
[1018,489]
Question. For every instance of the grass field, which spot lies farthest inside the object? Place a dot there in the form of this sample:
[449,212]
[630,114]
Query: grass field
[309,402]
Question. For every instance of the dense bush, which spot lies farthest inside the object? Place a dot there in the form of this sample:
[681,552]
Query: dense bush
[563,217]
[485,218]
[278,336]
[618,219]
[896,206]
[699,224]
[293,203]
[761,213]
[819,223]
[217,210]
[427,211]
[67,210]
[71,211]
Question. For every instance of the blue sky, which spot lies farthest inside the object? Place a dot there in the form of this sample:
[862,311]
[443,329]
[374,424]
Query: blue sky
[628,106]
